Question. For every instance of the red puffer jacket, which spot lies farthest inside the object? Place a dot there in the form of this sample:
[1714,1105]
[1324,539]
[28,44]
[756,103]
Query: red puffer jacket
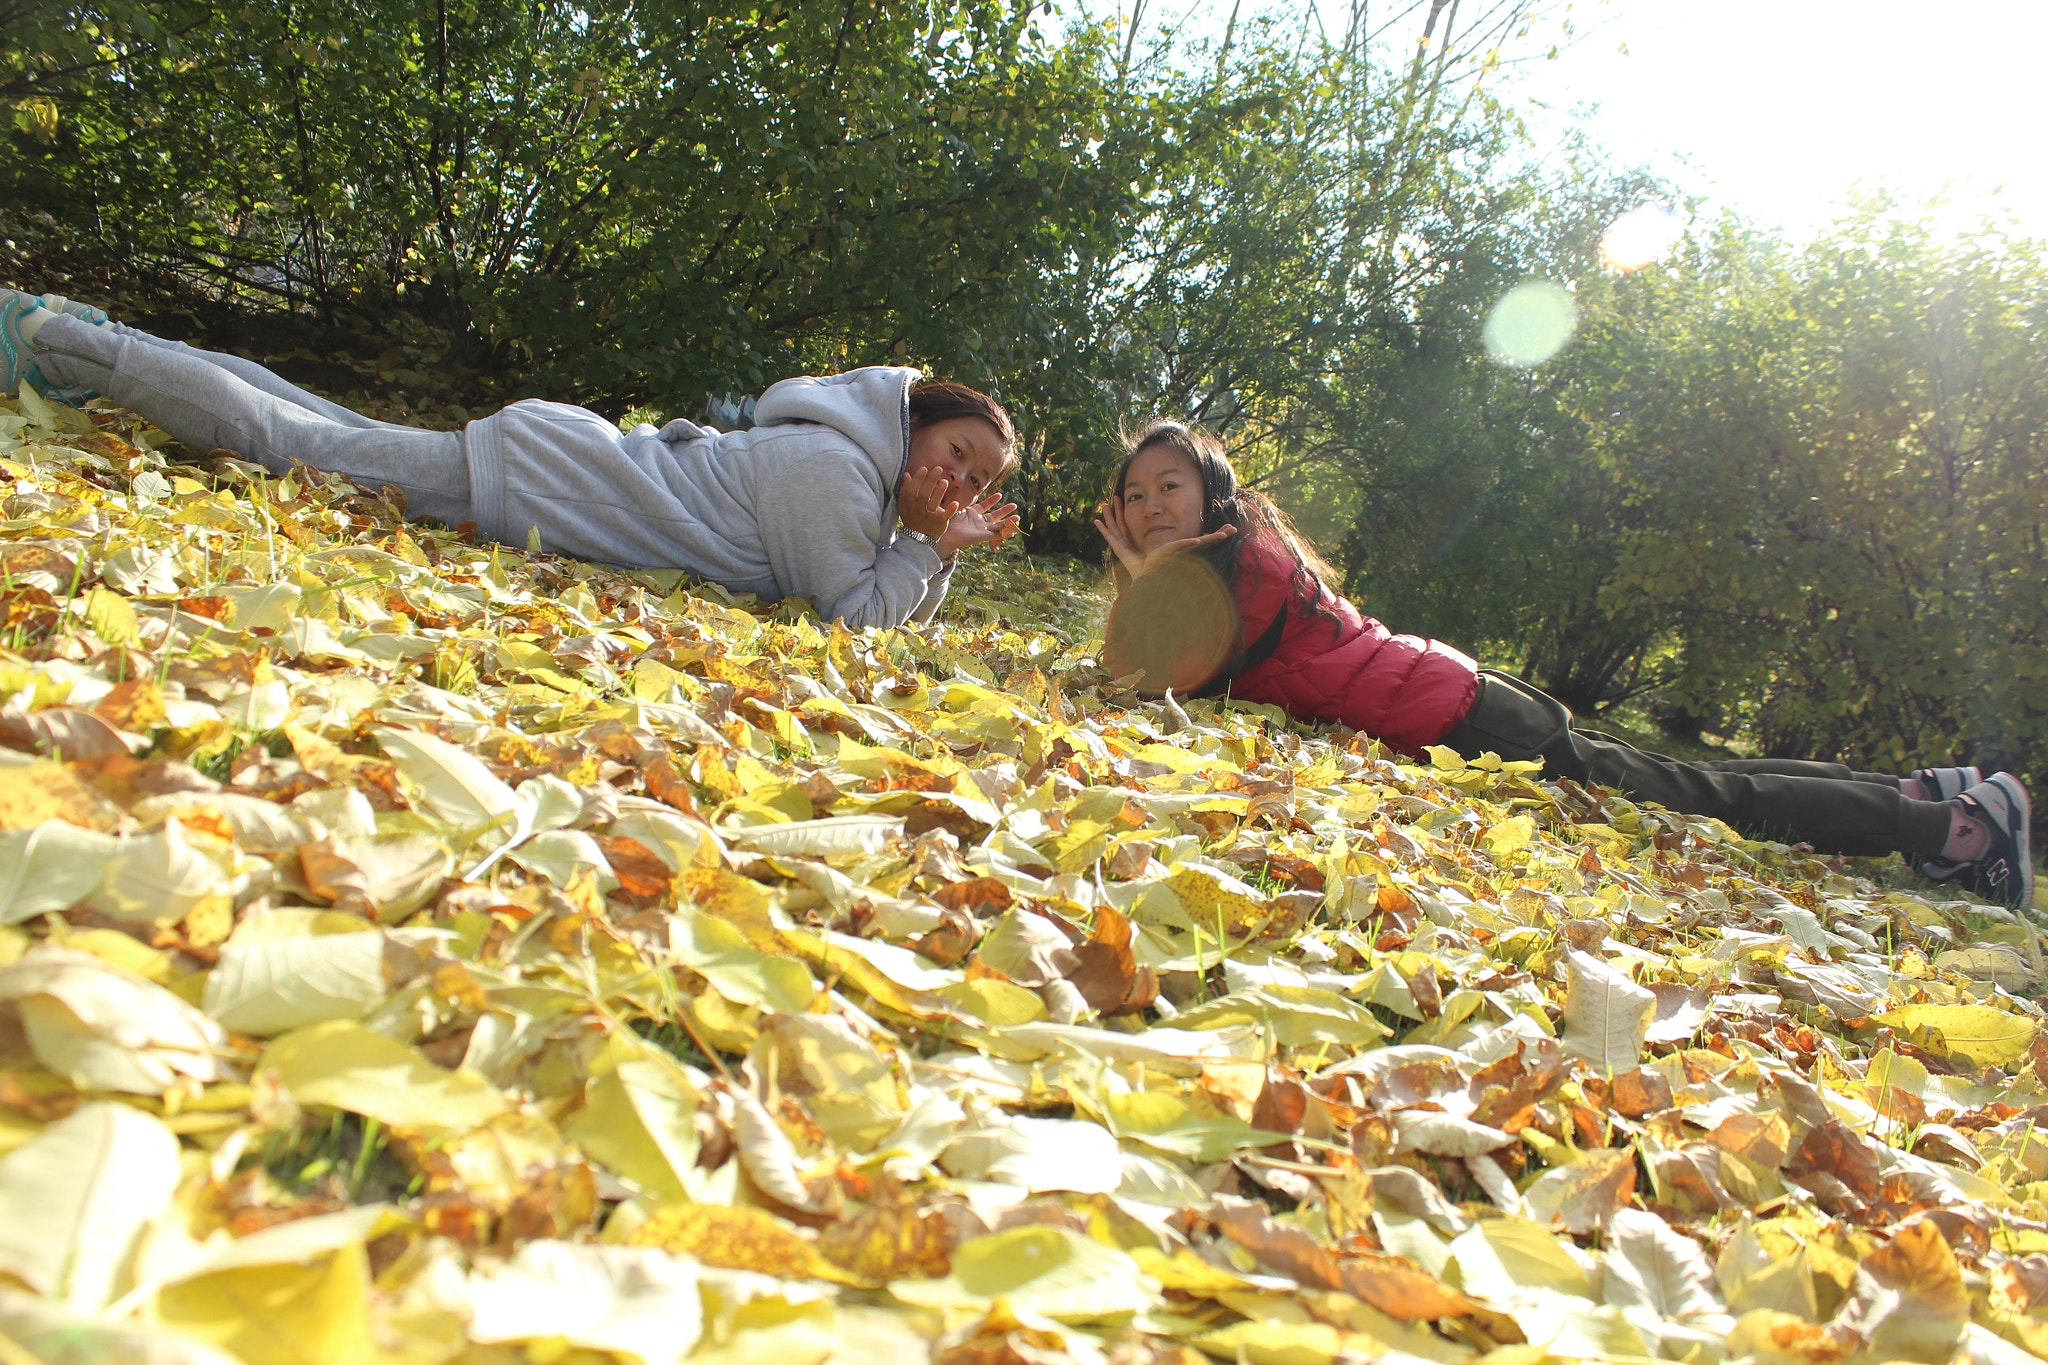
[1330,663]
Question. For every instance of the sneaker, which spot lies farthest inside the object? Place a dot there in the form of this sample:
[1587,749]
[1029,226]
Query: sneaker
[2006,871]
[16,361]
[1941,870]
[1946,783]
[57,303]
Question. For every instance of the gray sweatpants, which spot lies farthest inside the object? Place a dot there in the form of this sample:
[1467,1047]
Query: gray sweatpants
[799,505]
[212,401]
[1828,805]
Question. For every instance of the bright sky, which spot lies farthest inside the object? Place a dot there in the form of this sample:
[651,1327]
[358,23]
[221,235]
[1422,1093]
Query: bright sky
[1779,107]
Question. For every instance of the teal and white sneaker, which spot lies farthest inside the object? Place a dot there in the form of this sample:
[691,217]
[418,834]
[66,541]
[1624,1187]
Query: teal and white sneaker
[84,312]
[2006,871]
[17,361]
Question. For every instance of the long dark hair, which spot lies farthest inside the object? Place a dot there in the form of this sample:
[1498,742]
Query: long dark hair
[936,400]
[1225,502]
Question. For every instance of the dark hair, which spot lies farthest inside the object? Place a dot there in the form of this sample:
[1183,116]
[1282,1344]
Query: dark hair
[936,400]
[1226,503]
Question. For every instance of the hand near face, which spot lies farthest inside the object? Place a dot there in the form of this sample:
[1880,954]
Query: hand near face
[1116,528]
[985,521]
[925,502]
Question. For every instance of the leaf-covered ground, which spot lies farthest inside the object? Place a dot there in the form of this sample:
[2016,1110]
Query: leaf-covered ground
[422,951]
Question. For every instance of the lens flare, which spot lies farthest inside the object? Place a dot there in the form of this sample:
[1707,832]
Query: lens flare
[1530,324]
[1639,237]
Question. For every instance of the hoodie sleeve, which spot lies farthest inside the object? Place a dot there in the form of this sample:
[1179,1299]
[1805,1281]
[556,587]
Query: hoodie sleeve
[829,535]
[935,593]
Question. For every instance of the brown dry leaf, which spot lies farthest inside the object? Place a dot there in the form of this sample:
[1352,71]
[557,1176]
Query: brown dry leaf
[1400,1288]
[668,786]
[1839,1167]
[1505,1092]
[982,896]
[1688,1178]
[1762,1139]
[1639,1093]
[1585,1194]
[1108,977]
[643,877]
[1001,1338]
[328,874]
[1416,1083]
[1927,1320]
[510,1180]
[953,939]
[132,705]
[1283,1250]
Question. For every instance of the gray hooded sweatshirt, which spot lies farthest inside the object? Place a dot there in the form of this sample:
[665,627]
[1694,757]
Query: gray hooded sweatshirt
[803,504]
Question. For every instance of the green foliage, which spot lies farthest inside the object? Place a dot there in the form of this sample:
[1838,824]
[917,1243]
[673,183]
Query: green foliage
[1797,493]
[621,203]
[1847,531]
[641,203]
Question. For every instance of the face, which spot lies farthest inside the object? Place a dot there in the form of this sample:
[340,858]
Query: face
[1162,497]
[967,450]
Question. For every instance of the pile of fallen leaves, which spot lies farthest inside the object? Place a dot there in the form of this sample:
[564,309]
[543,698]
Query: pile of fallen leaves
[419,950]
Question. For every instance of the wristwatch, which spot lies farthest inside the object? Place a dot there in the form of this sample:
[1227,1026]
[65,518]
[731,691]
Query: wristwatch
[918,536]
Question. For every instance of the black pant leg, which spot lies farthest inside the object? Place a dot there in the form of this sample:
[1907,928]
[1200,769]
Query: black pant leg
[1800,767]
[1836,811]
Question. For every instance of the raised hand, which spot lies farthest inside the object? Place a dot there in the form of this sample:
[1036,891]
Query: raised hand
[1123,542]
[985,521]
[925,501]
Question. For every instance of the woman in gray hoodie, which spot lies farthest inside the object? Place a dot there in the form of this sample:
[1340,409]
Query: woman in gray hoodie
[855,490]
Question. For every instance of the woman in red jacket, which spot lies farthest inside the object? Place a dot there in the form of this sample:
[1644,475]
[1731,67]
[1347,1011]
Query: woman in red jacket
[1218,592]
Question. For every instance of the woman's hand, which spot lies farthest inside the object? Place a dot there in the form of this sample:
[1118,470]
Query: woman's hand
[981,522]
[1123,541]
[924,501]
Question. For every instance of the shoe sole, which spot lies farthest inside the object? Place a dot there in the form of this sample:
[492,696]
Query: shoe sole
[2022,837]
[2021,833]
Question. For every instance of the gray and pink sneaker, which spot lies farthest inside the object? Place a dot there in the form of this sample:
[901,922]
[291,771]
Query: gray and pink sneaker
[1948,783]
[2005,873]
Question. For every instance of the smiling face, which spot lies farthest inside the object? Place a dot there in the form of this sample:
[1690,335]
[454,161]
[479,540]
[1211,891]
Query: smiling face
[967,450]
[1162,495]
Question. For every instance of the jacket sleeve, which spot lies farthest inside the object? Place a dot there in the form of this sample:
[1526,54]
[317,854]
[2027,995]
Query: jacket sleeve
[829,535]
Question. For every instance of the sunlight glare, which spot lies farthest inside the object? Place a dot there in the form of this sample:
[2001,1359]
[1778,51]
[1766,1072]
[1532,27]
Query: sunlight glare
[1639,237]
[1530,324]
